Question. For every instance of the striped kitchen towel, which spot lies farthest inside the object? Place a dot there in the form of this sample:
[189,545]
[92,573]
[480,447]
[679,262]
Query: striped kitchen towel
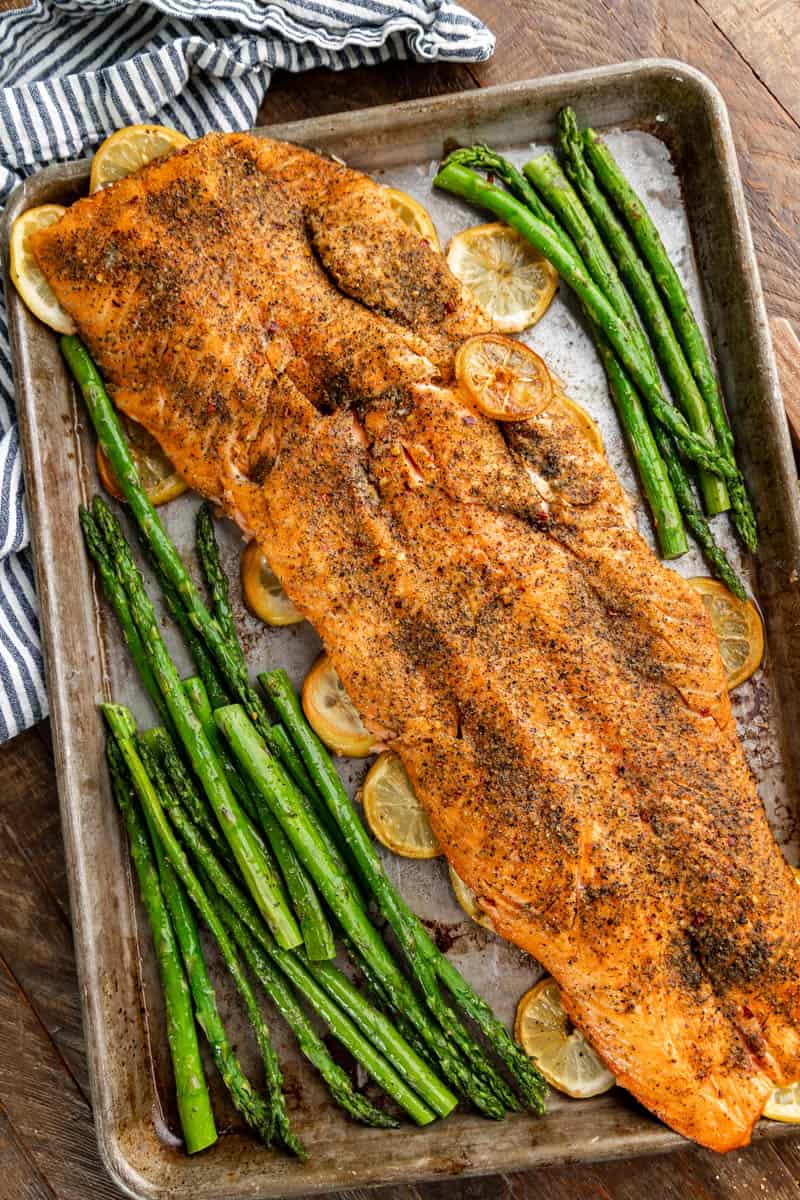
[72,71]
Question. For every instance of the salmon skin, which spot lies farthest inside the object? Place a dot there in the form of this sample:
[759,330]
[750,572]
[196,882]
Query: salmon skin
[556,695]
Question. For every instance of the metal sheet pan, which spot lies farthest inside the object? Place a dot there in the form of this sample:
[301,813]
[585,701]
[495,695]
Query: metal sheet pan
[670,128]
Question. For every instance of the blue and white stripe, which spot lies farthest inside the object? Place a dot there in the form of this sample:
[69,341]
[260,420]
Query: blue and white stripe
[73,71]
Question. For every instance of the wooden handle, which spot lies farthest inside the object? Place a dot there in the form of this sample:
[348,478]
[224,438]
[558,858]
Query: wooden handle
[787,354]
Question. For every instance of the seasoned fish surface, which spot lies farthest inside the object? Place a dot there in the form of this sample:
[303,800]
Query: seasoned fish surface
[556,695]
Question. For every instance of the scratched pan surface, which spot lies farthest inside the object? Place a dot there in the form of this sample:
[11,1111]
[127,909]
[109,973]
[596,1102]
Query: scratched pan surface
[669,128]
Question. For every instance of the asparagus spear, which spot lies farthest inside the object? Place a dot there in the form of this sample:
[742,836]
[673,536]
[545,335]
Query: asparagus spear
[194,1105]
[244,1096]
[470,187]
[123,728]
[381,1001]
[272,1069]
[262,880]
[623,393]
[311,1045]
[346,999]
[160,742]
[337,889]
[314,926]
[647,449]
[208,553]
[481,157]
[203,661]
[116,597]
[203,702]
[283,749]
[285,752]
[406,926]
[668,282]
[545,173]
[198,697]
[328,831]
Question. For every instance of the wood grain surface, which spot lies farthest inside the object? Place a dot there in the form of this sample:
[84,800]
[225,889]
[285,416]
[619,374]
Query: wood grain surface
[751,48]
[787,352]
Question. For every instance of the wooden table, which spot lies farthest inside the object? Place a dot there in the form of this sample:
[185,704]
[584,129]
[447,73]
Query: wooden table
[751,48]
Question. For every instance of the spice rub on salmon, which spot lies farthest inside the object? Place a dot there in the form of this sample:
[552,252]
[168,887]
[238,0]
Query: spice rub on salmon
[556,695]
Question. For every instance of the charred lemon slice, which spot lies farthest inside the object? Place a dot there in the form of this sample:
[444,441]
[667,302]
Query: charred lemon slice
[393,812]
[412,214]
[561,1053]
[506,379]
[332,714]
[29,281]
[737,624]
[129,149]
[510,280]
[262,590]
[466,898]
[157,475]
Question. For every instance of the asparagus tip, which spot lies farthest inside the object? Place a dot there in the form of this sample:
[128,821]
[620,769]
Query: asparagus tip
[120,719]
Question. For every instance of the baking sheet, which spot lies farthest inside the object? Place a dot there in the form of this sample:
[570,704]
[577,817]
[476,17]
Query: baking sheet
[87,662]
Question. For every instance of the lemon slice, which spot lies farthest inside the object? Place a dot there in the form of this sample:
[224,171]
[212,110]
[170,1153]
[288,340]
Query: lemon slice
[561,1053]
[784,1105]
[506,380]
[262,590]
[412,214]
[332,714]
[158,477]
[393,812]
[466,898]
[587,425]
[511,281]
[25,274]
[129,149]
[737,624]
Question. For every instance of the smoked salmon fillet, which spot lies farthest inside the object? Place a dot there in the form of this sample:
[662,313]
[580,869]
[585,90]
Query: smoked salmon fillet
[556,694]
